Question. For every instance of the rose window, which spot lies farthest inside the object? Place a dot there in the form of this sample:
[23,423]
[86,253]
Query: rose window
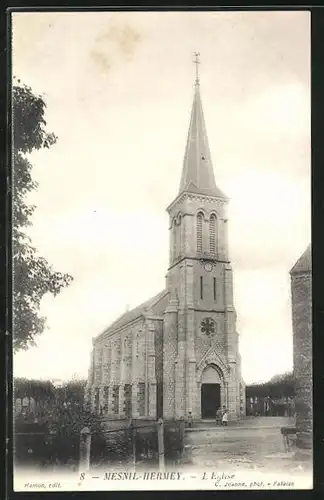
[208,327]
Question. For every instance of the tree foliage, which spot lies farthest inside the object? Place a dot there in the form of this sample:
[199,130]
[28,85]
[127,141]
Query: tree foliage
[72,391]
[37,389]
[279,385]
[33,275]
[63,418]
[67,417]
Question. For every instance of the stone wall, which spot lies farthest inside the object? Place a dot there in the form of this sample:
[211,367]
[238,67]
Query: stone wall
[158,341]
[301,290]
[118,372]
[199,295]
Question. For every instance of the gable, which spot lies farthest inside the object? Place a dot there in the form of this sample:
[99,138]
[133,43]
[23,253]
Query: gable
[156,305]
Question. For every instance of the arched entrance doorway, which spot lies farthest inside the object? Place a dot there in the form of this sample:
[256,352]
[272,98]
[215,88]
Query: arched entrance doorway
[210,392]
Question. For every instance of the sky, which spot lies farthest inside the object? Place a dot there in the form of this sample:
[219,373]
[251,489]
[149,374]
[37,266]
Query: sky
[119,90]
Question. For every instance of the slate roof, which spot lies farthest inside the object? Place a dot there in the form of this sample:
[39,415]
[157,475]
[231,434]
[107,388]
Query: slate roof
[304,263]
[156,305]
[191,188]
[197,165]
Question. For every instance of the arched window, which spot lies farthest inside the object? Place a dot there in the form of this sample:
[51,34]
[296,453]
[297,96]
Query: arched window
[179,235]
[117,351]
[212,233]
[174,241]
[200,218]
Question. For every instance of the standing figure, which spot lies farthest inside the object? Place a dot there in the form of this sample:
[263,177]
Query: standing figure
[225,418]
[219,416]
[190,419]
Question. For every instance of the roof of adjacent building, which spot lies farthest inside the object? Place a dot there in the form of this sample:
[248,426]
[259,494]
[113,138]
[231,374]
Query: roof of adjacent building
[197,171]
[304,263]
[155,305]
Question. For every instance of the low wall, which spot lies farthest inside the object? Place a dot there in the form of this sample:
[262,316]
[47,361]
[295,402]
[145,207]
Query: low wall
[119,438]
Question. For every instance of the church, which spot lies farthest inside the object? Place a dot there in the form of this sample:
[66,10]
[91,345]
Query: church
[178,352]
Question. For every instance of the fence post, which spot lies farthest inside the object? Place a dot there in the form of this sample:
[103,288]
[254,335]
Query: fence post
[160,429]
[85,446]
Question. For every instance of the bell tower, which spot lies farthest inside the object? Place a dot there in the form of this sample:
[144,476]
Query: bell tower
[199,322]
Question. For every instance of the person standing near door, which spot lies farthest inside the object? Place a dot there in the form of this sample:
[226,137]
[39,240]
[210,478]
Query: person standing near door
[225,417]
[219,416]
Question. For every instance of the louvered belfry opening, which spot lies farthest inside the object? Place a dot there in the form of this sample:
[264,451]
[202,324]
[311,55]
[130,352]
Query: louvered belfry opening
[199,232]
[212,234]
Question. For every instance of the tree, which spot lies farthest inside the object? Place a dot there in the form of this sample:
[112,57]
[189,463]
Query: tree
[33,275]
[279,385]
[72,391]
[65,420]
[284,378]
[37,389]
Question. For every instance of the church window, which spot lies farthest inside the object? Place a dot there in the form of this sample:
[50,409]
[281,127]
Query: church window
[115,399]
[174,241]
[179,235]
[201,288]
[208,327]
[141,398]
[212,233]
[215,290]
[97,401]
[128,400]
[199,231]
[93,367]
[106,394]
[126,347]
[137,345]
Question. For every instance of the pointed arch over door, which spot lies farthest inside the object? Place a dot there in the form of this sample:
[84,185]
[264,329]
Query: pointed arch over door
[210,391]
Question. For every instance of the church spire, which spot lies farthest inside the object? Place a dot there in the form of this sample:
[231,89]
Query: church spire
[197,172]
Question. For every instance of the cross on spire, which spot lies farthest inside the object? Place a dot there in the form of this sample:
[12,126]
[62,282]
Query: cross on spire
[196,62]
[197,172]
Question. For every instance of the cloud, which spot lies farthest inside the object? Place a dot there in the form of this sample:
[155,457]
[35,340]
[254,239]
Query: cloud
[101,59]
[125,38]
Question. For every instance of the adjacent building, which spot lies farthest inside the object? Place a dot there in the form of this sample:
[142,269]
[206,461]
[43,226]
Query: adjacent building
[301,292]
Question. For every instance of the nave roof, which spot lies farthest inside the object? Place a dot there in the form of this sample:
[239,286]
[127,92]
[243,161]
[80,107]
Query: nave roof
[155,305]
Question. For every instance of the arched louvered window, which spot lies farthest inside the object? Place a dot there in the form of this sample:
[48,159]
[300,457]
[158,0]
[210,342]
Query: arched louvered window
[200,218]
[174,238]
[212,234]
[179,229]
[137,345]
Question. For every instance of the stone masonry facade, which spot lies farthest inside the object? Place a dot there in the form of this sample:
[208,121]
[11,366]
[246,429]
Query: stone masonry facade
[125,379]
[301,290]
[200,285]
